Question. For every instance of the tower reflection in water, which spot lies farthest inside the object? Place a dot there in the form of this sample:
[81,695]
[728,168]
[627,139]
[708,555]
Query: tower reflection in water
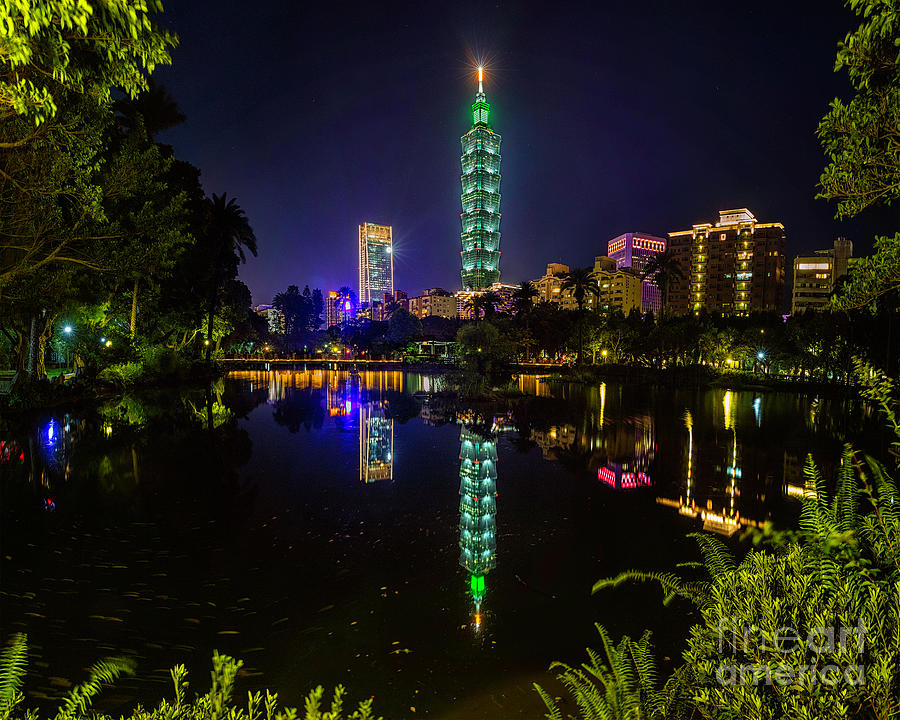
[477,510]
[376,443]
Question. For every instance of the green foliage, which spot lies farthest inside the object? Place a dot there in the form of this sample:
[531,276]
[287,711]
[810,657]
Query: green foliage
[874,281]
[403,327]
[217,704]
[78,702]
[483,354]
[862,137]
[839,570]
[13,664]
[621,684]
[122,374]
[50,47]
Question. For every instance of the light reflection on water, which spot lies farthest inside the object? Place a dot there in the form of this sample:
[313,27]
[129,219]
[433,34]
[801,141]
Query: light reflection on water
[326,515]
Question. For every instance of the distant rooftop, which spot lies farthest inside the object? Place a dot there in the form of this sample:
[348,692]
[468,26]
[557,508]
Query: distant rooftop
[738,215]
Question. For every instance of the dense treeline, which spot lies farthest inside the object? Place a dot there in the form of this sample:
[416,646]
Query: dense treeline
[111,254]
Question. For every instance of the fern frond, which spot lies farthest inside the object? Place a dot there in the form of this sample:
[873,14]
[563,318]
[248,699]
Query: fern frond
[717,558]
[13,666]
[845,499]
[670,583]
[553,712]
[106,672]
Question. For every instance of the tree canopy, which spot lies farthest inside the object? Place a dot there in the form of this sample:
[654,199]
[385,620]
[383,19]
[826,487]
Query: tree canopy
[52,47]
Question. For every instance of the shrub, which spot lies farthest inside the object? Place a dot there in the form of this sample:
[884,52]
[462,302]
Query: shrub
[217,704]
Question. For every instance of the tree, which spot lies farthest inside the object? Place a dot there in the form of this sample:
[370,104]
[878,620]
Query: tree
[318,308]
[297,310]
[483,355]
[580,282]
[154,109]
[52,48]
[523,298]
[228,234]
[663,269]
[524,295]
[345,295]
[484,303]
[403,327]
[862,140]
[862,137]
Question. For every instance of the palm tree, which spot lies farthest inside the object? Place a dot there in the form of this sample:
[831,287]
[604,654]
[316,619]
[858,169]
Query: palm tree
[523,297]
[345,294]
[580,282]
[663,269]
[485,302]
[157,110]
[228,234]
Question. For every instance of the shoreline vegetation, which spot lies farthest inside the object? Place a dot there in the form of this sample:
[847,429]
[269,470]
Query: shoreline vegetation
[50,393]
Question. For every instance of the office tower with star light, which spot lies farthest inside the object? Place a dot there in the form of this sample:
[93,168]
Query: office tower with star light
[480,215]
[376,262]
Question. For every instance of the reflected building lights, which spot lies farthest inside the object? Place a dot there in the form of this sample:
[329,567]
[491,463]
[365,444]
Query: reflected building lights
[724,519]
[477,512]
[376,443]
[630,455]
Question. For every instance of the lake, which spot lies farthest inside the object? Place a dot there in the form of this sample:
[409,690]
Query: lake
[330,527]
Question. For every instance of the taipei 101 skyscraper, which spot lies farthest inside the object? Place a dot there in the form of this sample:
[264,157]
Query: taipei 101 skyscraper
[480,197]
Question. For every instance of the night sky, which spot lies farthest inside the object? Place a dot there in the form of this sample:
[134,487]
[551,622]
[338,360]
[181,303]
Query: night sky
[640,117]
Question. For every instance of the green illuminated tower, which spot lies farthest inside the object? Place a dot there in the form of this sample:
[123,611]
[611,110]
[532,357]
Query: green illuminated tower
[477,511]
[480,197]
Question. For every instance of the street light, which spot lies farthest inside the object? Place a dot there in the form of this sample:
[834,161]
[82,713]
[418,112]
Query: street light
[761,355]
[67,329]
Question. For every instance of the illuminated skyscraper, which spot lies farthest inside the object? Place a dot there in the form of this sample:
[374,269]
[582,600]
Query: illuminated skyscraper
[376,262]
[634,250]
[480,197]
[477,511]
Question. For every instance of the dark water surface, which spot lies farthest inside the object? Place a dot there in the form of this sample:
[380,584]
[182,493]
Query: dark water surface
[315,525]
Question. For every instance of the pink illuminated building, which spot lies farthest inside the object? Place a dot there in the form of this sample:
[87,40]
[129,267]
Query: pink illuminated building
[634,250]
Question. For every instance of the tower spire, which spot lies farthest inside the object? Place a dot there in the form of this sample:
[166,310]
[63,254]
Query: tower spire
[481,79]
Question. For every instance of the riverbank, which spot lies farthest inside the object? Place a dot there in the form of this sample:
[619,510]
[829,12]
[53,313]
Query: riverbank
[699,377]
[27,397]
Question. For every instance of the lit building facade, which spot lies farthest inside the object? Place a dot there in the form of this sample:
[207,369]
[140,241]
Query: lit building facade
[435,301]
[815,275]
[550,285]
[332,311]
[619,289]
[480,215]
[376,262]
[733,267]
[635,250]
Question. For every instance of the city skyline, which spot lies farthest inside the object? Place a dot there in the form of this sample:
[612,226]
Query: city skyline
[598,141]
